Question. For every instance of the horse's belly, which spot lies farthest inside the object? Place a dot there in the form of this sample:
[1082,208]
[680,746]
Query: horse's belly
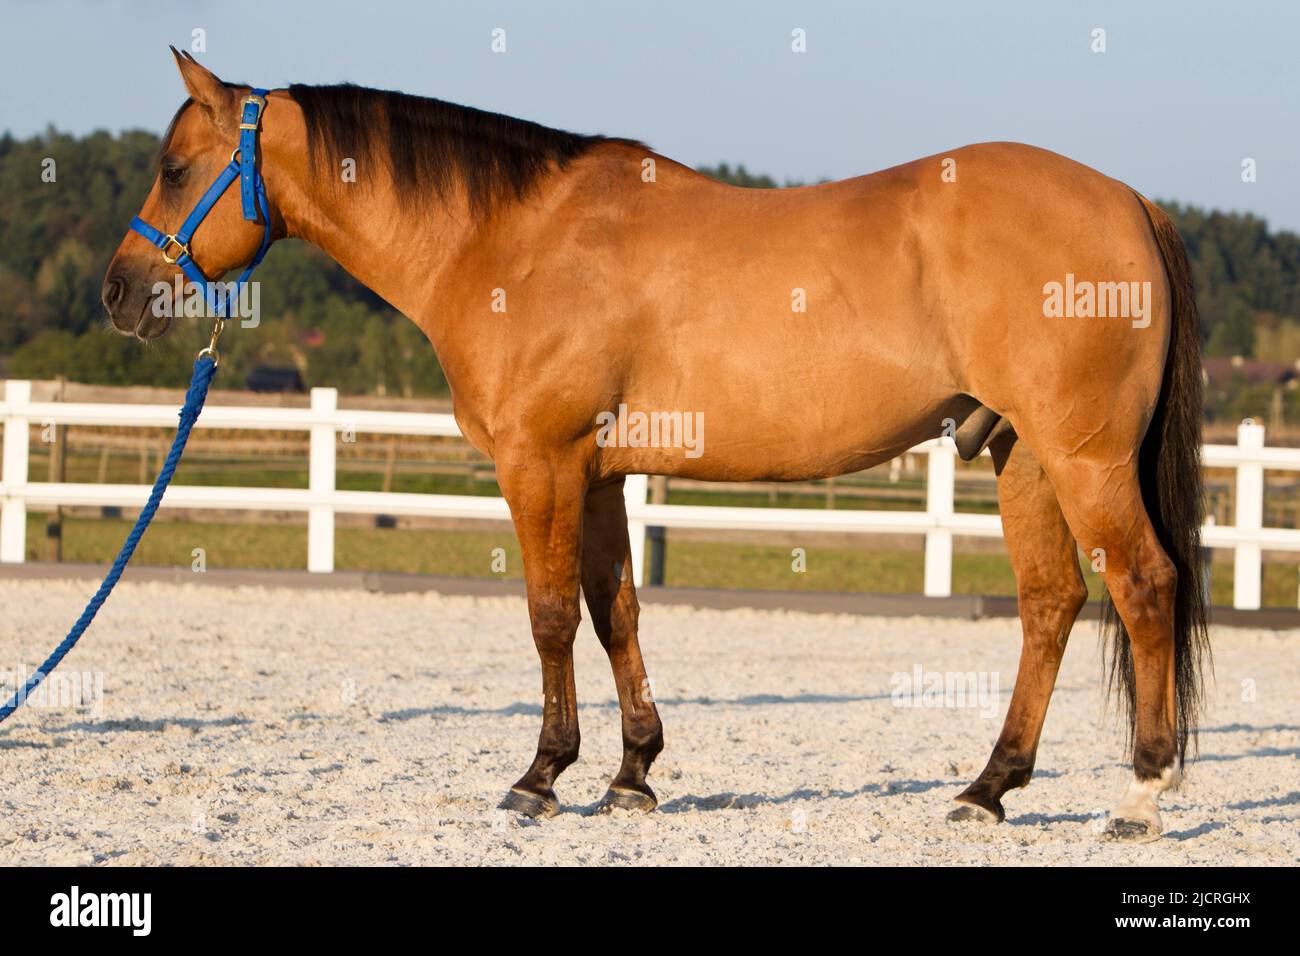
[776,433]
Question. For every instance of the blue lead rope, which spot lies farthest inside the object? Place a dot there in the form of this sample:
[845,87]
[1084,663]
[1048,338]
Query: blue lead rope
[204,368]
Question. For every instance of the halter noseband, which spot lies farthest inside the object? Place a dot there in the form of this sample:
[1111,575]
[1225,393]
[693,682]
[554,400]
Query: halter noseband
[252,191]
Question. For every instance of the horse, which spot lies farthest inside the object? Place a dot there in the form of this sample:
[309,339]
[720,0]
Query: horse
[999,293]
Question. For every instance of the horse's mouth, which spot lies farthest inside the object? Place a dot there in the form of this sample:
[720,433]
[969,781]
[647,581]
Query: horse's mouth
[150,326]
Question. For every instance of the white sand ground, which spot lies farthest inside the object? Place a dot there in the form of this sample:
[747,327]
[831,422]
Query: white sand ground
[251,726]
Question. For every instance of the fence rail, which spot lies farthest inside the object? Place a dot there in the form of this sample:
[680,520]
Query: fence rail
[322,500]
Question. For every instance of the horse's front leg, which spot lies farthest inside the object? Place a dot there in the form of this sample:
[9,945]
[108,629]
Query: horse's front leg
[545,492]
[611,599]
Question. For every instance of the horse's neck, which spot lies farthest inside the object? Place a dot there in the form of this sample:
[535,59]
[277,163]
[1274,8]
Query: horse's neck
[398,253]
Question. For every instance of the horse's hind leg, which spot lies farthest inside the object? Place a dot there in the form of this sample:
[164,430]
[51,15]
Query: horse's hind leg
[1104,506]
[546,496]
[611,599]
[1051,592]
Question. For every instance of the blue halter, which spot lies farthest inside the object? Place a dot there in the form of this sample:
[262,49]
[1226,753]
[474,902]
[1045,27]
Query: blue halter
[252,191]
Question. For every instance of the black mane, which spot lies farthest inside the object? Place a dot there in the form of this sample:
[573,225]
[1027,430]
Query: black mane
[429,145]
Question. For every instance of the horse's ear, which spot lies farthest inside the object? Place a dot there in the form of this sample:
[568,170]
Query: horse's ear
[218,101]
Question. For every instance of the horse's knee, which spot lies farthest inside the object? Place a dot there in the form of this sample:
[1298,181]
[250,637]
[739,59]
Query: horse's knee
[554,620]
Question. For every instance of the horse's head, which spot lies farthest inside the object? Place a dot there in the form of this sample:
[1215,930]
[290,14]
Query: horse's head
[200,143]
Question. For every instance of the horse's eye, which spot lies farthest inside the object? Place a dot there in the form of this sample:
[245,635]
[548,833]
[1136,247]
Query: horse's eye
[172,175]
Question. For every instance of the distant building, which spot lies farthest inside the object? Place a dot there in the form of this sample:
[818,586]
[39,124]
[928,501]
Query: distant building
[274,378]
[1221,372]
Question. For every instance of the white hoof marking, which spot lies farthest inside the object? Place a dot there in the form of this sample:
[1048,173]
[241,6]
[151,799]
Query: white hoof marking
[1139,801]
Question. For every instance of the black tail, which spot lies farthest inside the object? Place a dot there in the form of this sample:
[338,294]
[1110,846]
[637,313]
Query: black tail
[1170,473]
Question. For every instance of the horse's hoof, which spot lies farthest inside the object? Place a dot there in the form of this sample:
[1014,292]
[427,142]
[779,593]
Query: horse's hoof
[531,805]
[1120,830]
[618,798]
[972,813]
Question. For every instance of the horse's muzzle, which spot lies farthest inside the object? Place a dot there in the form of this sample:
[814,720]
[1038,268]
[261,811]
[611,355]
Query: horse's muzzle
[128,306]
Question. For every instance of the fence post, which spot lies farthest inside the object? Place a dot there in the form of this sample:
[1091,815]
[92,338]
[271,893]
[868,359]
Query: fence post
[321,476]
[1247,562]
[657,535]
[940,484]
[635,488]
[13,509]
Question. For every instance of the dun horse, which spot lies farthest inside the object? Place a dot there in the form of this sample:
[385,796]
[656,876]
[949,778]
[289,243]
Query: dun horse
[1042,307]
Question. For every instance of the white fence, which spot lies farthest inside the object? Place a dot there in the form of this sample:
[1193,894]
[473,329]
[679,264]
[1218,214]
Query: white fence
[321,500]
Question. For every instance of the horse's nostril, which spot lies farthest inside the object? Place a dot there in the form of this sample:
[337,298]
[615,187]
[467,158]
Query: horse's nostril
[114,292]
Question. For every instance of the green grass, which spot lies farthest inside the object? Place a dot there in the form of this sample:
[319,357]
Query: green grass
[709,565]
[470,554]
[693,564]
[172,543]
[256,472]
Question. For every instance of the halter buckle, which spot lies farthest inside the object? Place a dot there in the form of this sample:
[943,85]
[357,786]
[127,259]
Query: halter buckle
[252,99]
[172,240]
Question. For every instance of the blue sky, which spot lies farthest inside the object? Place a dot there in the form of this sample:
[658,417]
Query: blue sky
[1184,92]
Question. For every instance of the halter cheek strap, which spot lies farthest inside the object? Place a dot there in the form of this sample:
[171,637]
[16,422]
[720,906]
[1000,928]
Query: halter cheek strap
[252,191]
